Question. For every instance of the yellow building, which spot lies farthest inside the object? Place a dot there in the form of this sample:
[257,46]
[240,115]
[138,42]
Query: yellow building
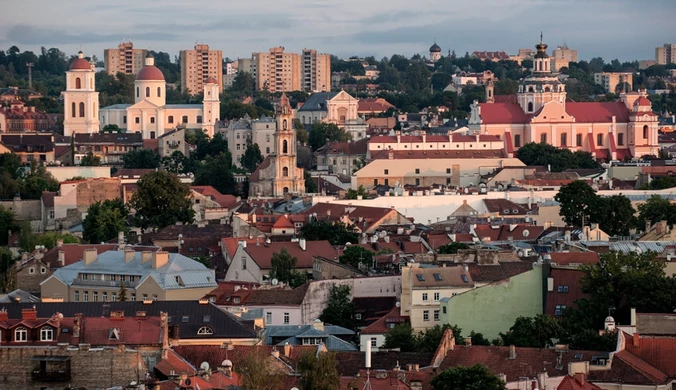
[125,59]
[316,71]
[277,71]
[199,65]
[562,56]
[610,80]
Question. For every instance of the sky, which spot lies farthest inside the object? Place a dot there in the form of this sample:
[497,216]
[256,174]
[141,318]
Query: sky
[623,29]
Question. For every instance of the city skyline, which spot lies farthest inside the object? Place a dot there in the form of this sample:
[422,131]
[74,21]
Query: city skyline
[342,27]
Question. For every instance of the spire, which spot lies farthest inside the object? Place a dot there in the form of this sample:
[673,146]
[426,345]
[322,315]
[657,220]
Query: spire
[540,36]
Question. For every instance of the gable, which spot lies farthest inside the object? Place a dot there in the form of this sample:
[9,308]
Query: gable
[552,112]
[143,105]
[342,97]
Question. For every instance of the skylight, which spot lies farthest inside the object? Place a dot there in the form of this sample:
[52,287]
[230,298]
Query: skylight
[464,278]
[421,277]
[437,277]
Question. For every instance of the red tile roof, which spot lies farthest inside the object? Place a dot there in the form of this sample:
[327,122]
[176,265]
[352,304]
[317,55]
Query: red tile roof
[386,322]
[501,205]
[598,112]
[390,382]
[345,148]
[262,254]
[499,113]
[658,352]
[228,201]
[491,55]
[72,253]
[132,331]
[643,101]
[577,382]
[277,296]
[335,212]
[174,363]
[572,258]
[283,222]
[489,273]
[48,198]
[80,64]
[231,243]
[517,232]
[373,105]
[216,354]
[438,154]
[564,277]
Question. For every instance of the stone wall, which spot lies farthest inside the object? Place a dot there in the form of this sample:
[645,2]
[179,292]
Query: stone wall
[95,190]
[90,367]
[24,210]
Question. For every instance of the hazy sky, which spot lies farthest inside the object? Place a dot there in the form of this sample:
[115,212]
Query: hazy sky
[624,29]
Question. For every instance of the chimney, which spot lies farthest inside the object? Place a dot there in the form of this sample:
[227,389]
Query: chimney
[319,325]
[62,258]
[512,352]
[4,316]
[367,363]
[145,256]
[129,255]
[287,350]
[120,238]
[468,341]
[89,255]
[633,317]
[29,314]
[567,234]
[302,244]
[242,243]
[160,258]
[275,353]
[59,242]
[581,379]
[76,324]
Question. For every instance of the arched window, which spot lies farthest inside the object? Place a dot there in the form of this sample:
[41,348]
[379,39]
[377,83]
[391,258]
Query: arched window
[82,110]
[21,334]
[137,92]
[645,132]
[184,119]
[78,83]
[285,147]
[286,190]
[147,91]
[284,124]
[490,92]
[73,109]
[285,172]
[530,106]
[547,89]
[530,89]
[205,330]
[159,92]
[46,333]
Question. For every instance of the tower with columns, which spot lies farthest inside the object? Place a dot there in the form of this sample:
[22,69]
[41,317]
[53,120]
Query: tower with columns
[80,99]
[212,106]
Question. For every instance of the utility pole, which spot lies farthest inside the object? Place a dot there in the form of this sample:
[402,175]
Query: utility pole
[29,65]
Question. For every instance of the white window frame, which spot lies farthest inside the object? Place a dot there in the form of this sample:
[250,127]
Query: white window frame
[426,315]
[436,297]
[425,297]
[287,318]
[374,342]
[436,315]
[46,333]
[21,334]
[268,317]
[205,330]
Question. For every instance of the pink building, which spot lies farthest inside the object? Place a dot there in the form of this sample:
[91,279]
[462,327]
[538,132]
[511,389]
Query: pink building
[541,113]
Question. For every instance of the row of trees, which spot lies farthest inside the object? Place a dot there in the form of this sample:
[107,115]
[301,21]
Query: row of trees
[16,180]
[557,159]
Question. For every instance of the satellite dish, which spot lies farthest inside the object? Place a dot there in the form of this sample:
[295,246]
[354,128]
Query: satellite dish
[188,382]
[204,366]
[275,282]
[226,363]
[398,304]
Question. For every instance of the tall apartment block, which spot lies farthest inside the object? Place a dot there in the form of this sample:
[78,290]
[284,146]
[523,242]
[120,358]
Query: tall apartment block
[666,54]
[125,59]
[316,71]
[277,71]
[198,65]
[561,57]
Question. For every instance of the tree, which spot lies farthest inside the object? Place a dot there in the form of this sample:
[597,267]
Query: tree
[354,255]
[141,159]
[111,128]
[283,266]
[175,163]
[252,157]
[478,339]
[6,262]
[321,133]
[217,172]
[663,182]
[339,309]
[11,174]
[476,377]
[656,209]
[337,233]
[318,371]
[614,214]
[90,160]
[37,181]
[401,336]
[533,332]
[104,221]
[122,293]
[161,200]
[258,372]
[244,84]
[302,135]
[577,202]
[451,248]
[429,339]
[8,224]
[558,159]
[310,183]
[354,194]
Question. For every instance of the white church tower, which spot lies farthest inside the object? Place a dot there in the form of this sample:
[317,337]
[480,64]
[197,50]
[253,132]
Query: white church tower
[212,106]
[81,101]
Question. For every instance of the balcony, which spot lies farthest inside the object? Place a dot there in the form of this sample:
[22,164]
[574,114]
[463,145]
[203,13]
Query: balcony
[103,283]
[51,368]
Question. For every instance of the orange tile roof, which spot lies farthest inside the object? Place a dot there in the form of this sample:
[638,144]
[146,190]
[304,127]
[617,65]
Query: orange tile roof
[385,323]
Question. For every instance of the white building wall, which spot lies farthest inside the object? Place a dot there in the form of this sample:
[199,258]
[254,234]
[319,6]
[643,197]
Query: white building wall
[366,338]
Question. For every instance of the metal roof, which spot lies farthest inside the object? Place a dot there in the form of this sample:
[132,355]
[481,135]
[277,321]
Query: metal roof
[317,101]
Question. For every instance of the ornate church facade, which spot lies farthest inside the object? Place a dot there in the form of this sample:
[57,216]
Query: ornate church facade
[278,174]
[540,112]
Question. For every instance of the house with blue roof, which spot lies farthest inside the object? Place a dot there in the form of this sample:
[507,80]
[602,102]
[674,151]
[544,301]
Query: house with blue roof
[144,275]
[335,338]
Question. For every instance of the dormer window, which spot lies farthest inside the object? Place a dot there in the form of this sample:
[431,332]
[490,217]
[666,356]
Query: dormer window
[46,333]
[21,334]
[114,334]
[205,330]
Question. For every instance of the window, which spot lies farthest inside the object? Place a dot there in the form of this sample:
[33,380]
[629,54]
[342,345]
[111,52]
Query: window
[448,171]
[562,289]
[21,334]
[147,91]
[374,342]
[387,171]
[564,139]
[124,119]
[46,333]
[530,106]
[43,270]
[86,296]
[73,109]
[387,182]
[464,278]
[137,92]
[620,139]
[417,170]
[417,181]
[268,318]
[31,270]
[243,262]
[76,296]
[285,172]
[286,318]
[443,308]
[436,297]
[184,119]
[137,120]
[82,110]
[437,277]
[424,297]
[154,297]
[133,296]
[205,330]
[357,316]
[152,119]
[145,297]
[171,119]
[185,319]
[599,140]
[517,140]
[96,296]
[558,310]
[159,92]
[421,277]
[645,132]
[285,147]
[426,315]
[543,138]
[78,83]
[436,315]
[199,118]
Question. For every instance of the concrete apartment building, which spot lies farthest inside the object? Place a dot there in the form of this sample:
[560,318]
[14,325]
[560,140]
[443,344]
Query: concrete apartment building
[666,54]
[316,71]
[610,80]
[562,56]
[243,132]
[125,59]
[277,71]
[198,65]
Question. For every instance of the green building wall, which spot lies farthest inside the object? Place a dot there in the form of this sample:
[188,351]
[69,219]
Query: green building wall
[493,308]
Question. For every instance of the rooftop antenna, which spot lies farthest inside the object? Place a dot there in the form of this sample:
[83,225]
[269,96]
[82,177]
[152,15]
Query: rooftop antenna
[367,384]
[540,36]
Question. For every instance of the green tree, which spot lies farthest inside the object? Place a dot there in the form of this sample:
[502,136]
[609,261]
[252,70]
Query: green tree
[258,373]
[141,159]
[283,266]
[111,128]
[252,157]
[90,160]
[558,159]
[339,309]
[429,339]
[321,132]
[175,163]
[614,214]
[663,182]
[402,337]
[8,224]
[122,293]
[476,377]
[302,135]
[217,172]
[104,221]
[161,200]
[656,209]
[354,255]
[533,332]
[11,173]
[6,262]
[451,248]
[577,201]
[319,371]
[478,339]
[37,181]
[310,183]
[354,194]
[337,233]
[244,84]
